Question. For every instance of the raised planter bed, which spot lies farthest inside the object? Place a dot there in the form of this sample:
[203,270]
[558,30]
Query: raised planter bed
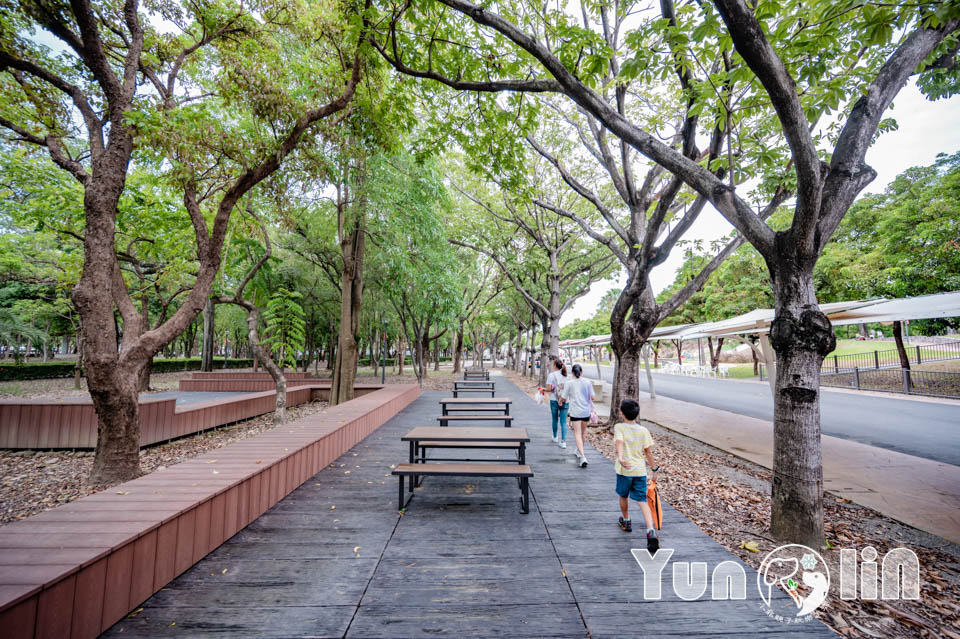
[72,423]
[75,570]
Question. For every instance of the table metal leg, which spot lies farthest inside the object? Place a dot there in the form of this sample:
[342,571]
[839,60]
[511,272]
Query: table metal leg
[421,456]
[523,453]
[525,495]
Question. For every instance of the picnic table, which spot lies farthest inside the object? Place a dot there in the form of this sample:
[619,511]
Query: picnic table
[474,387]
[480,405]
[425,437]
[476,374]
[497,407]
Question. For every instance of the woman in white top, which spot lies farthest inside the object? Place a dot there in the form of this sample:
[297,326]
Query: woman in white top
[558,407]
[578,392]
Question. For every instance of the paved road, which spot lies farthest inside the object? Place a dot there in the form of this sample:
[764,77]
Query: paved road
[925,429]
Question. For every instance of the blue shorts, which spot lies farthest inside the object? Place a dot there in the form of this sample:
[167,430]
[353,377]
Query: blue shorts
[633,487]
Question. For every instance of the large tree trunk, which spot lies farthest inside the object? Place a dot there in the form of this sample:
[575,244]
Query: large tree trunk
[262,355]
[546,349]
[206,347]
[901,349]
[332,351]
[78,366]
[458,349]
[714,354]
[631,322]
[519,356]
[344,374]
[801,336]
[116,400]
[400,356]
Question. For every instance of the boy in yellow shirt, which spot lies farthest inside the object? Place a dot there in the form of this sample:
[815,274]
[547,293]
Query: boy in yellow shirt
[633,444]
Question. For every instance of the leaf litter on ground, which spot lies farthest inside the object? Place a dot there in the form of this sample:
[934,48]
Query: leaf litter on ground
[729,499]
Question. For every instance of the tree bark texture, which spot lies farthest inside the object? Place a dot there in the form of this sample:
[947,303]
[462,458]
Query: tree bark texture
[801,336]
[351,286]
[901,349]
[206,348]
[633,318]
[458,349]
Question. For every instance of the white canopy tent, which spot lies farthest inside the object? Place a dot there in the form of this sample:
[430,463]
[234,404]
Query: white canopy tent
[758,321]
[903,309]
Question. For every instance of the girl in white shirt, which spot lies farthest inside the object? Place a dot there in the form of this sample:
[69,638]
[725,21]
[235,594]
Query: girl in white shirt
[578,392]
[558,407]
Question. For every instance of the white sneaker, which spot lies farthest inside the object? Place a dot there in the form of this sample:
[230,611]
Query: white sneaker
[563,444]
[555,439]
[583,461]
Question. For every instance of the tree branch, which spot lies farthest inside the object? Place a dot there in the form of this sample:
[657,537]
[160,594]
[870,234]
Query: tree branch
[503,267]
[848,173]
[584,192]
[755,49]
[731,206]
[599,237]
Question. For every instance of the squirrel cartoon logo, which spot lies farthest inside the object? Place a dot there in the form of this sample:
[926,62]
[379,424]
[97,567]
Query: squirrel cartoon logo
[800,572]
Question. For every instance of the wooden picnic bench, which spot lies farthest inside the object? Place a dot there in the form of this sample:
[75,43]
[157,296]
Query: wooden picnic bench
[474,386]
[426,437]
[478,405]
[484,375]
[498,405]
[446,419]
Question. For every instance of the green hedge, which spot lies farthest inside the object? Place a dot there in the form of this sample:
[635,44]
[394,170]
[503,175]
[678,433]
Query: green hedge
[41,370]
[391,361]
[52,370]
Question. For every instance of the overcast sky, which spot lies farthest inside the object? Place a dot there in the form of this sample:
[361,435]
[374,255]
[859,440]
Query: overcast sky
[926,129]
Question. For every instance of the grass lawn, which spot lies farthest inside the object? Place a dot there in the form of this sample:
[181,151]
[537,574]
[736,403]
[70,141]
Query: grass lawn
[848,346]
[741,371]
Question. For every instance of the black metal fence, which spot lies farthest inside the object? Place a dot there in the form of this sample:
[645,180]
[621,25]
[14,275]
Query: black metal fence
[897,380]
[890,358]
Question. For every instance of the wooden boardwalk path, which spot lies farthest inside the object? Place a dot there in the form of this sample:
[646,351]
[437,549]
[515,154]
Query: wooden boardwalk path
[335,560]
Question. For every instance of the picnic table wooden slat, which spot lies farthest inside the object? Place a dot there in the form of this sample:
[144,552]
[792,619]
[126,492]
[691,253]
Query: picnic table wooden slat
[467,433]
[465,470]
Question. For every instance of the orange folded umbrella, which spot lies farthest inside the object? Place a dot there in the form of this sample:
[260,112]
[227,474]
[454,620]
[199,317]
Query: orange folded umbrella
[653,500]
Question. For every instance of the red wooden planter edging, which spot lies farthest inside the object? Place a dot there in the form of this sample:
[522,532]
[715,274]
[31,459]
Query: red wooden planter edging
[32,424]
[75,570]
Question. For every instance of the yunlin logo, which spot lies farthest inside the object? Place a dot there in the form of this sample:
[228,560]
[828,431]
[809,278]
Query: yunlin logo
[797,570]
